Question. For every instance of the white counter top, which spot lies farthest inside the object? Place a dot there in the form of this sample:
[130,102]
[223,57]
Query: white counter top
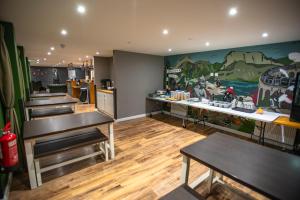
[265,117]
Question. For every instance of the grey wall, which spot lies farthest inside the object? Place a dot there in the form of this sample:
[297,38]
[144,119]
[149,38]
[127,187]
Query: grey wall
[135,76]
[102,68]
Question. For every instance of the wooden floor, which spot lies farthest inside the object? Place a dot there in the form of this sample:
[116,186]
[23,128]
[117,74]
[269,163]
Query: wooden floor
[147,166]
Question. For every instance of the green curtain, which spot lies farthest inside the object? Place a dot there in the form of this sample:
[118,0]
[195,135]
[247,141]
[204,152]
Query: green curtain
[24,71]
[21,77]
[6,77]
[6,94]
[17,116]
[3,176]
[29,75]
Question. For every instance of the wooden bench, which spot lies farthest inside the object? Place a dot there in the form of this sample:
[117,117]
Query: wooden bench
[71,141]
[48,112]
[182,192]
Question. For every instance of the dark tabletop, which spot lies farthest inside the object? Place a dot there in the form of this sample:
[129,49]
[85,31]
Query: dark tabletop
[49,102]
[270,172]
[55,125]
[47,95]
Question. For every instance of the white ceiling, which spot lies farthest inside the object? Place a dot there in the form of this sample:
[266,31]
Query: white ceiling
[136,25]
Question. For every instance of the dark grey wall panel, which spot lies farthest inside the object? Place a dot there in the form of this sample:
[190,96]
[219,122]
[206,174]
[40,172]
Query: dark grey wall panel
[135,76]
[80,73]
[46,75]
[102,68]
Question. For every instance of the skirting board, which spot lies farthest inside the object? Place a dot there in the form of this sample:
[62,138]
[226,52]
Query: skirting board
[136,116]
[7,188]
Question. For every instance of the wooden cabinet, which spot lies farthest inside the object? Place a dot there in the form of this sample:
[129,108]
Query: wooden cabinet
[74,90]
[105,102]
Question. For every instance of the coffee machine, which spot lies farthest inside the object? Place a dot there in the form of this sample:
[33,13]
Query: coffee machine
[106,84]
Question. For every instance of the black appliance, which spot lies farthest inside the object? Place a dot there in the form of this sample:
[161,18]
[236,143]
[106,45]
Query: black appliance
[295,112]
[105,83]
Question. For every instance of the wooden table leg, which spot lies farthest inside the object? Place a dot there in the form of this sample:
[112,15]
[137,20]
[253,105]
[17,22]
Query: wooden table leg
[27,114]
[111,140]
[210,180]
[185,170]
[30,164]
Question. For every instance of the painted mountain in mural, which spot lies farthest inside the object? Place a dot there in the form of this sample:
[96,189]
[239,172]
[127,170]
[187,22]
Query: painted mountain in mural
[242,66]
[193,70]
[257,58]
[242,71]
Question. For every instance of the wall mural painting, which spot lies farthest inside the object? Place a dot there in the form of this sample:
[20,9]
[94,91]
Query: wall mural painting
[264,74]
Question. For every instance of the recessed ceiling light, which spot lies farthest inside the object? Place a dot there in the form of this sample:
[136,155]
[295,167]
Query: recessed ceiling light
[49,53]
[265,35]
[38,60]
[64,32]
[79,59]
[169,50]
[232,11]
[81,9]
[45,59]
[207,44]
[165,31]
[52,48]
[97,53]
[87,56]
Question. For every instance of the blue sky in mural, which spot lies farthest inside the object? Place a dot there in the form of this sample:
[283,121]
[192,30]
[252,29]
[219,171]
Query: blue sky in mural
[275,51]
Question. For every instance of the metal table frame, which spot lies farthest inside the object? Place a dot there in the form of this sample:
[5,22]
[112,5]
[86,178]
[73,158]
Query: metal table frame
[262,125]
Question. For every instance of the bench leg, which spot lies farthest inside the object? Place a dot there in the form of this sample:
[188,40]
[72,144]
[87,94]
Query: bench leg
[30,164]
[106,150]
[185,170]
[38,172]
[111,140]
[210,179]
[101,147]
[27,114]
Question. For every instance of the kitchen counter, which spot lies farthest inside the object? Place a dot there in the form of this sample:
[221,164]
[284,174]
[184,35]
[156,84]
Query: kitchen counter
[106,101]
[105,91]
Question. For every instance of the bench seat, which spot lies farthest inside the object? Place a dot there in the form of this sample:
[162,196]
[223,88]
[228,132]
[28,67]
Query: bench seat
[77,139]
[182,192]
[69,141]
[47,112]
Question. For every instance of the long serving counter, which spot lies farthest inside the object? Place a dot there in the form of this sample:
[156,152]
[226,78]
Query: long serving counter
[266,117]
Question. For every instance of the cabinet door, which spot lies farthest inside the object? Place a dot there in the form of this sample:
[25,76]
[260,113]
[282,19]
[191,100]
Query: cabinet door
[100,100]
[109,104]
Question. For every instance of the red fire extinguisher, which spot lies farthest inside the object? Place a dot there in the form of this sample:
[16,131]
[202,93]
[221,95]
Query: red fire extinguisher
[9,148]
